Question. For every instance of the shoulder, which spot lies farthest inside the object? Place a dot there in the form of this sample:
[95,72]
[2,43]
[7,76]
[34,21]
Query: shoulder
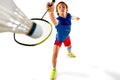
[58,18]
[68,14]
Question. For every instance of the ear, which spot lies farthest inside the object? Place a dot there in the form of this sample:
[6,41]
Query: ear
[67,10]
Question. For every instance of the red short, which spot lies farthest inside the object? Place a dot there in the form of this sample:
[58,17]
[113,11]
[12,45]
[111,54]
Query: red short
[67,42]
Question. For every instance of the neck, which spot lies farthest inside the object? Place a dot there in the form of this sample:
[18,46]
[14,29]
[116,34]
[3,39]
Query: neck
[63,15]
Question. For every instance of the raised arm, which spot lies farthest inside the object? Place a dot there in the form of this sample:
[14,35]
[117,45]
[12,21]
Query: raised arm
[51,13]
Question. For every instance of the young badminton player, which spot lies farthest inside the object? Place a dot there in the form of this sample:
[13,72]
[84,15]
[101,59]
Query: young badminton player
[63,26]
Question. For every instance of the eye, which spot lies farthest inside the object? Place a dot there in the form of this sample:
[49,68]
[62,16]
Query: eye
[59,7]
[63,6]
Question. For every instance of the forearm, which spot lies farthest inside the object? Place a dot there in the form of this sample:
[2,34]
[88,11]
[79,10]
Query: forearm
[75,18]
[53,18]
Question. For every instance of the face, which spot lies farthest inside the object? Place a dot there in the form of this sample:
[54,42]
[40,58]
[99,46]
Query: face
[62,9]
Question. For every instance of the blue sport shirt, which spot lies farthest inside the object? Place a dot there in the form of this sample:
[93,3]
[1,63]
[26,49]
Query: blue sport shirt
[63,28]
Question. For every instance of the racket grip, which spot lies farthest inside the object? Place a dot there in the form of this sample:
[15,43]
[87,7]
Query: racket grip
[53,1]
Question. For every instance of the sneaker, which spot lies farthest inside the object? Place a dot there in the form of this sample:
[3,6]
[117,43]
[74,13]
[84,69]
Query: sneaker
[71,55]
[53,74]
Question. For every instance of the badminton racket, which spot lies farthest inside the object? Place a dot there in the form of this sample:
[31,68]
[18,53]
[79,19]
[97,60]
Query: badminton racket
[28,41]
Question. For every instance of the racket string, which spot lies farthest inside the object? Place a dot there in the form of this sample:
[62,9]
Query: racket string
[27,41]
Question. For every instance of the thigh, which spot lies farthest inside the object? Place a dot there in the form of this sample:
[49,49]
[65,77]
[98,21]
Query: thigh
[58,43]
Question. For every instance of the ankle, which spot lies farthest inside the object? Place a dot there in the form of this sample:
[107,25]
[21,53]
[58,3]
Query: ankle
[54,69]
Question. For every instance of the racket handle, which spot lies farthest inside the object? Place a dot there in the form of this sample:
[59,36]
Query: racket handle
[53,1]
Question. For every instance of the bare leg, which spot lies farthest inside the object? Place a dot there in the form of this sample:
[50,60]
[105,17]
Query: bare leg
[54,61]
[55,54]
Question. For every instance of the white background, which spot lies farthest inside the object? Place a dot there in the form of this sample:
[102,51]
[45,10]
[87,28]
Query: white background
[95,40]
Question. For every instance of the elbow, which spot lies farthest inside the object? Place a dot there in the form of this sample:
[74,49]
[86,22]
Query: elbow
[55,23]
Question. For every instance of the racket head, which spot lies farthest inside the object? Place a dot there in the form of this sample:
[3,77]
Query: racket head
[29,41]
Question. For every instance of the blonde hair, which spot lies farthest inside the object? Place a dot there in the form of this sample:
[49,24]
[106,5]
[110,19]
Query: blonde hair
[61,3]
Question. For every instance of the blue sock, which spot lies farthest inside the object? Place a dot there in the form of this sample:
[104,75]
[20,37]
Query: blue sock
[69,48]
